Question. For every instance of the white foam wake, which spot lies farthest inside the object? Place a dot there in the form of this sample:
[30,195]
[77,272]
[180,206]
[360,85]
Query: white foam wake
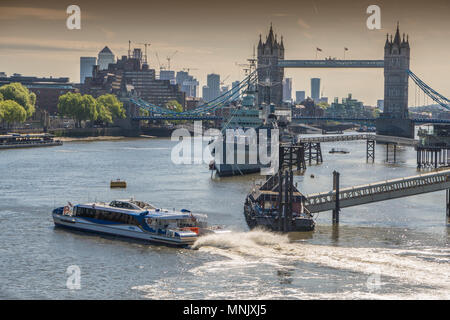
[246,247]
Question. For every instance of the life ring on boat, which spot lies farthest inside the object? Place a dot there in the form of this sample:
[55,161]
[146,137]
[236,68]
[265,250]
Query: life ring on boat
[149,221]
[66,210]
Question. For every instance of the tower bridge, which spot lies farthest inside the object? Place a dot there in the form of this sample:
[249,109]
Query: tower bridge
[393,121]
[269,74]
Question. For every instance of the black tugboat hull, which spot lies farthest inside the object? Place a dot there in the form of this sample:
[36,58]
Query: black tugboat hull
[272,224]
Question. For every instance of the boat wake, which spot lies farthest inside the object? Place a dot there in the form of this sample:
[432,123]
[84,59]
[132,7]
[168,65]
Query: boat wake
[408,266]
[261,264]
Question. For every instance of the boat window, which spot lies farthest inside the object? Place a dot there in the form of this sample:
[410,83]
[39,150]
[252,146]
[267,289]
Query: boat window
[105,215]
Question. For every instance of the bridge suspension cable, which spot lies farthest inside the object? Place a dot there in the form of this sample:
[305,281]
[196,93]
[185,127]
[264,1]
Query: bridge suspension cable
[430,92]
[212,105]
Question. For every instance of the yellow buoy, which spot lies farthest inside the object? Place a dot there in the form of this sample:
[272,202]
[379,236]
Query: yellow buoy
[118,184]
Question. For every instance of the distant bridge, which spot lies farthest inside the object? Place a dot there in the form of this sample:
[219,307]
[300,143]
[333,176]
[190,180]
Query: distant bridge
[174,117]
[366,120]
[331,63]
[379,191]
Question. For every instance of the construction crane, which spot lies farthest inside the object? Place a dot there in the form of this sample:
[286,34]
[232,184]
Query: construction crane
[223,81]
[145,45]
[169,58]
[161,67]
[189,69]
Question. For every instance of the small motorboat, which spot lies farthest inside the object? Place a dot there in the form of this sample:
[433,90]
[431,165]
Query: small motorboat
[339,150]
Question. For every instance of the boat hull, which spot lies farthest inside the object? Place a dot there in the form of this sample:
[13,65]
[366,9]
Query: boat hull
[127,231]
[224,170]
[272,224]
[31,145]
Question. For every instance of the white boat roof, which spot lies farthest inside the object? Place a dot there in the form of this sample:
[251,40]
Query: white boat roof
[155,213]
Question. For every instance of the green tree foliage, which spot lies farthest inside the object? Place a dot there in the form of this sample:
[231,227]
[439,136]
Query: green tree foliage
[77,106]
[17,92]
[323,105]
[174,105]
[88,108]
[376,113]
[11,111]
[1,97]
[111,105]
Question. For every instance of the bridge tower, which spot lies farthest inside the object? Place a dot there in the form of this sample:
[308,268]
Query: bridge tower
[394,121]
[270,76]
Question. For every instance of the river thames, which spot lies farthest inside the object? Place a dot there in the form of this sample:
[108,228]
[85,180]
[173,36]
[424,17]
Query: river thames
[397,249]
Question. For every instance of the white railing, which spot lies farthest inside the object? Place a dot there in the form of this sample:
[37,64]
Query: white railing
[380,191]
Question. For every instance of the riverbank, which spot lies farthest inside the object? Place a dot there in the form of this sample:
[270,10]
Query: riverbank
[102,138]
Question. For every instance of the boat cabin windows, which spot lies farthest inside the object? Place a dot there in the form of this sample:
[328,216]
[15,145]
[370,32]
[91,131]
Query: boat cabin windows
[105,215]
[142,204]
[122,204]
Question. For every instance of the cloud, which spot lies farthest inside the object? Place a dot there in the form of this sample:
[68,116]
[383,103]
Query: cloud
[307,35]
[17,13]
[108,33]
[34,44]
[282,14]
[303,23]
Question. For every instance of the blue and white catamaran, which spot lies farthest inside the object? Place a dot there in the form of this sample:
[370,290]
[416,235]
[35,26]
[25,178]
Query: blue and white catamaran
[135,219]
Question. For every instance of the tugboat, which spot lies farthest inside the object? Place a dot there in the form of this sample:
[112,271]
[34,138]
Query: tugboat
[277,205]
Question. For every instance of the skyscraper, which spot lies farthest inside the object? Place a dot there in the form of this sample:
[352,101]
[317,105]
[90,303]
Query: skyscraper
[287,89]
[86,66]
[105,57]
[315,89]
[212,89]
[235,89]
[167,75]
[299,96]
[187,83]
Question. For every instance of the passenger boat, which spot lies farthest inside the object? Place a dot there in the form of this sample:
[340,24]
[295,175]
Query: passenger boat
[15,140]
[135,219]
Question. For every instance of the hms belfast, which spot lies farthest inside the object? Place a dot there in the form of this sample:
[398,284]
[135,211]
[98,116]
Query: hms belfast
[257,111]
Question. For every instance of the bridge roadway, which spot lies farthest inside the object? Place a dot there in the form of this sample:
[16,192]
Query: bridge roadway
[355,136]
[329,63]
[175,117]
[379,191]
[297,119]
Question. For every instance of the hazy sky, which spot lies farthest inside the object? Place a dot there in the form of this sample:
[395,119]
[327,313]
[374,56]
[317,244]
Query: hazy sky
[213,36]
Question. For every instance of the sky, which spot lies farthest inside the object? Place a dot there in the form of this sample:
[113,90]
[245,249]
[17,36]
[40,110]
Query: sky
[215,36]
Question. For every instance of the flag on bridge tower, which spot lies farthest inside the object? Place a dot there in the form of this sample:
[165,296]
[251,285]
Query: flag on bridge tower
[318,49]
[345,49]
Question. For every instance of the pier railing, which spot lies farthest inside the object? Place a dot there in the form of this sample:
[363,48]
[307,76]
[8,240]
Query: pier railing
[379,191]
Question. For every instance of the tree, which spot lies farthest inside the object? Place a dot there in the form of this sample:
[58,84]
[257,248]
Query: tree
[112,105]
[11,111]
[174,105]
[77,106]
[103,113]
[323,105]
[17,92]
[88,110]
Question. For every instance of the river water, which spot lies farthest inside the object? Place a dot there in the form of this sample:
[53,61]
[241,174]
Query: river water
[393,249]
